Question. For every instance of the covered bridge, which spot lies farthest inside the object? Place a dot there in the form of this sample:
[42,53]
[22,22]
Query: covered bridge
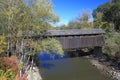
[76,38]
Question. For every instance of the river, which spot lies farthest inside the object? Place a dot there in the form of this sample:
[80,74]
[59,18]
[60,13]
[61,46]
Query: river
[77,68]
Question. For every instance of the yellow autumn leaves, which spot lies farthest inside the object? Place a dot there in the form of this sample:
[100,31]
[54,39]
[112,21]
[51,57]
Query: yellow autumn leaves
[3,44]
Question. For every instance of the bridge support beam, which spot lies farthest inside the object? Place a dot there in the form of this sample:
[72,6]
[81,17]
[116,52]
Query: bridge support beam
[77,52]
[98,52]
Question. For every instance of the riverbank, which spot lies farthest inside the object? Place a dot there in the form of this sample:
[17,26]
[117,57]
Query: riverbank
[104,68]
[34,74]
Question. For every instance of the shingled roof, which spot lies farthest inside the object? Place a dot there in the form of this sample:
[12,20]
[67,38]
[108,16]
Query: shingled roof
[73,32]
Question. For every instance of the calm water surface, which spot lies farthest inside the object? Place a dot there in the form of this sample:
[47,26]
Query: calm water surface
[70,69]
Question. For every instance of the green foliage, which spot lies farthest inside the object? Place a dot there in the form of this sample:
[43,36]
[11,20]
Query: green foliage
[9,63]
[113,15]
[100,24]
[20,17]
[112,44]
[101,9]
[51,45]
[34,46]
[7,75]
[18,20]
[63,27]
[3,44]
[110,13]
[8,68]
[43,16]
[73,25]
[81,22]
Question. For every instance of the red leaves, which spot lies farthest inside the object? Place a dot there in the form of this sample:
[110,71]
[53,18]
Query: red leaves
[9,63]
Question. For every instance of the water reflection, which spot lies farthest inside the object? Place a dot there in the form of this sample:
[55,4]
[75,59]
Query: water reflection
[46,58]
[65,68]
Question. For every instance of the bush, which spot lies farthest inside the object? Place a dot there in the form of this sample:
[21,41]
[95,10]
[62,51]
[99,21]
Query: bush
[51,45]
[7,75]
[8,68]
[8,63]
[112,44]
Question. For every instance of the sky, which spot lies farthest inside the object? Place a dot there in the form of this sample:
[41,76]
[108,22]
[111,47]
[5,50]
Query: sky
[68,10]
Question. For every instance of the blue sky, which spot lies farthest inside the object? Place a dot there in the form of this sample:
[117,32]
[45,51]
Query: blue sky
[69,9]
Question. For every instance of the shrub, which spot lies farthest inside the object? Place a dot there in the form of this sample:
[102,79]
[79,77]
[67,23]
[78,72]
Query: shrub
[7,75]
[51,45]
[112,44]
[7,63]
[8,68]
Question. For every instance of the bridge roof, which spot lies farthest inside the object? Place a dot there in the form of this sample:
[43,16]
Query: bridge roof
[73,32]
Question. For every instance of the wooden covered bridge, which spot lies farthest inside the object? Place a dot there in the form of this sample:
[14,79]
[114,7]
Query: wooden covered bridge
[77,39]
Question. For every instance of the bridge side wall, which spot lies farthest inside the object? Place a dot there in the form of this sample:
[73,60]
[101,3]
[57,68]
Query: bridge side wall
[81,41]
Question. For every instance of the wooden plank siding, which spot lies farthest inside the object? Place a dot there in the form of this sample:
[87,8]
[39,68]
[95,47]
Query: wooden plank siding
[81,41]
[77,38]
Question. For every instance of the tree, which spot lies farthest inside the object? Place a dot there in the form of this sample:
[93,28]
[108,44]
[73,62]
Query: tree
[63,27]
[81,22]
[101,8]
[110,13]
[20,22]
[100,24]
[73,25]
